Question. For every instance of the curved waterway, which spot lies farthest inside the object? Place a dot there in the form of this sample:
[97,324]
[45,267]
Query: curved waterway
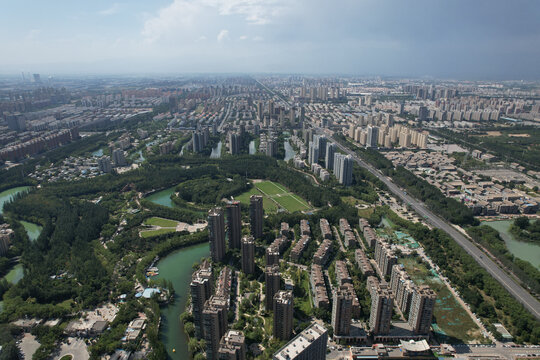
[177,268]
[6,196]
[527,251]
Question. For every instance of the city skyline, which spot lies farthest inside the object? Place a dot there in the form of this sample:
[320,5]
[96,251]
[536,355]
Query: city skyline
[436,39]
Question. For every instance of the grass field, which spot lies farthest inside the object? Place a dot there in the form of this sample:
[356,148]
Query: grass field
[150,233]
[292,203]
[270,188]
[156,221]
[268,205]
[448,314]
[275,195]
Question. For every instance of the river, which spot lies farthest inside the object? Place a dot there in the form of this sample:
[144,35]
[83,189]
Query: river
[177,267]
[7,195]
[524,250]
[289,151]
[216,152]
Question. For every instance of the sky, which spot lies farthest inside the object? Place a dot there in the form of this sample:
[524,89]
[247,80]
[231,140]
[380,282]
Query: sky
[462,39]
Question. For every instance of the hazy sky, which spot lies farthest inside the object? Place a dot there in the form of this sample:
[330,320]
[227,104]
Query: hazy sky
[464,39]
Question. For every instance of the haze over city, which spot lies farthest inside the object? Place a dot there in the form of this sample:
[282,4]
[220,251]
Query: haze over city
[442,39]
[269,180]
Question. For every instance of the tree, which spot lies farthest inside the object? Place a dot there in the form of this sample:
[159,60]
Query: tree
[10,351]
[522,222]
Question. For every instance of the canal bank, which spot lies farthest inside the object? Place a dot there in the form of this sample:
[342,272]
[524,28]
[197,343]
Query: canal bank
[177,267]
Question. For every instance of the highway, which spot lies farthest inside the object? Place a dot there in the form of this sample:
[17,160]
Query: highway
[519,293]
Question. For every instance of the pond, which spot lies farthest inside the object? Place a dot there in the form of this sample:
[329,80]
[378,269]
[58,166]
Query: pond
[177,268]
[162,197]
[524,250]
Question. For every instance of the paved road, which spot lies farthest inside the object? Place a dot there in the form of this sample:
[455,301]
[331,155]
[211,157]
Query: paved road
[530,303]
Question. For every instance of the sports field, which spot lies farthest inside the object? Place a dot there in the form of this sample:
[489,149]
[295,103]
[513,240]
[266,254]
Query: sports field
[275,195]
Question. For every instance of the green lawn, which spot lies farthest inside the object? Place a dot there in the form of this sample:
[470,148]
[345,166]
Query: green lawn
[274,193]
[268,205]
[270,188]
[291,203]
[150,233]
[156,221]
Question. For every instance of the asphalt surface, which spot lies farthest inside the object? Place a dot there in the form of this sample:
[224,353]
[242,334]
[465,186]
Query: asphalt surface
[519,293]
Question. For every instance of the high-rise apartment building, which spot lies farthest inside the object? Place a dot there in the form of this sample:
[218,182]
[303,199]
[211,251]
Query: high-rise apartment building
[372,136]
[313,153]
[248,254]
[118,158]
[256,215]
[272,283]
[216,233]
[232,346]
[234,143]
[215,324]
[321,141]
[310,344]
[343,167]
[342,310]
[329,157]
[381,310]
[421,312]
[283,315]
[104,164]
[234,224]
[201,289]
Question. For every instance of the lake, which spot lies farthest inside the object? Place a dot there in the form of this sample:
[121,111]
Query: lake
[524,250]
[177,267]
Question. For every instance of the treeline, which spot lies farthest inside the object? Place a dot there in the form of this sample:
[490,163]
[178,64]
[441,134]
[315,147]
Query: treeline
[525,230]
[486,297]
[211,189]
[491,240]
[448,208]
